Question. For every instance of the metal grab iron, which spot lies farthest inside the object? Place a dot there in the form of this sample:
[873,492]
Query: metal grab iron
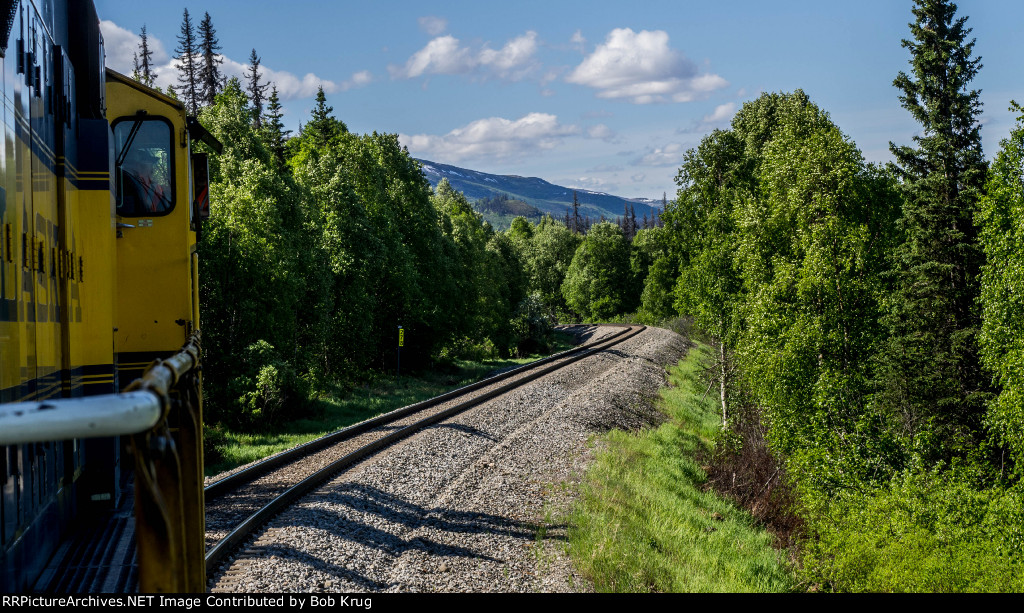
[169,508]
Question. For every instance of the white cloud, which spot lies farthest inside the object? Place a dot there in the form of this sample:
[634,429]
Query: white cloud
[592,183]
[121,45]
[433,25]
[362,77]
[514,60]
[602,132]
[718,118]
[578,40]
[494,137]
[721,114]
[444,55]
[642,68]
[289,86]
[669,155]
[638,177]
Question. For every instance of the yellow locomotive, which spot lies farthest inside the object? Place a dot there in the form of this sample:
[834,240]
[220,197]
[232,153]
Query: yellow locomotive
[101,200]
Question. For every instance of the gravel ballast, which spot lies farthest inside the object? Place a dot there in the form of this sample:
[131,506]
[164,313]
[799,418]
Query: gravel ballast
[473,504]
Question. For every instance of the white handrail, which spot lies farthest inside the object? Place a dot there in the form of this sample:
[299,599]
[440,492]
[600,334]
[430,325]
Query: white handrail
[68,418]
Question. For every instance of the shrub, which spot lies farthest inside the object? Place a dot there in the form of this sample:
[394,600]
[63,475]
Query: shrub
[925,531]
[266,391]
[531,327]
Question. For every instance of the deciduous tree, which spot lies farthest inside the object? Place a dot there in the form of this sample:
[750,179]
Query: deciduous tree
[599,284]
[1001,219]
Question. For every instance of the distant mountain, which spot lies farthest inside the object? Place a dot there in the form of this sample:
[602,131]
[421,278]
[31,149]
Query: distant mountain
[546,197]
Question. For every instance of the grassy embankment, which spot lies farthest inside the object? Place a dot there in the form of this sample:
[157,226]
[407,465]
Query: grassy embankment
[646,523]
[346,407]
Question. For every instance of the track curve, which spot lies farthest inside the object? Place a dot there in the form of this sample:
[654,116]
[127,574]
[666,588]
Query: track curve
[242,502]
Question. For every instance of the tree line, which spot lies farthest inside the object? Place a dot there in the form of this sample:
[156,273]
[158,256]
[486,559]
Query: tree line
[628,222]
[868,320]
[315,253]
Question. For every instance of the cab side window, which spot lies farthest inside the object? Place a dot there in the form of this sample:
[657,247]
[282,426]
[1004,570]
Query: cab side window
[144,174]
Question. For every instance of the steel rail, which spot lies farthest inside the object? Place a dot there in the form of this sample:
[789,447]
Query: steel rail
[231,482]
[219,552]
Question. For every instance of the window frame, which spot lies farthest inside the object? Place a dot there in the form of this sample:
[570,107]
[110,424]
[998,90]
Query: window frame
[170,156]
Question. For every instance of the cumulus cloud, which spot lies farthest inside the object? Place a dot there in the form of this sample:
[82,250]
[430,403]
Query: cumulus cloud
[669,155]
[445,55]
[433,25]
[514,60]
[718,118]
[642,68]
[121,45]
[442,55]
[494,137]
[289,86]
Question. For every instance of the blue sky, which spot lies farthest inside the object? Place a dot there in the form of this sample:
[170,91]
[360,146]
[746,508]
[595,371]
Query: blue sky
[597,95]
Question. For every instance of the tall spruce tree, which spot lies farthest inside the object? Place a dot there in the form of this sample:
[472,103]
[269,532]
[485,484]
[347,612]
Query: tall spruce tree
[188,67]
[929,379]
[211,81]
[323,127]
[274,126]
[144,60]
[256,89]
[576,224]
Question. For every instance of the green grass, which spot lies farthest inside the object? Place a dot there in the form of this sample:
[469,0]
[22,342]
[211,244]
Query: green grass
[344,407]
[645,522]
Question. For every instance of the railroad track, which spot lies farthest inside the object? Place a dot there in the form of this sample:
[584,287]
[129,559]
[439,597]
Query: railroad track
[241,503]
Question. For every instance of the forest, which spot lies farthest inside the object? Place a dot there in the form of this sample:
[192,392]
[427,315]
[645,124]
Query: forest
[867,319]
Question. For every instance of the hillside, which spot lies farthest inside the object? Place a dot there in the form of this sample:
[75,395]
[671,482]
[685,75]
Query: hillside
[547,197]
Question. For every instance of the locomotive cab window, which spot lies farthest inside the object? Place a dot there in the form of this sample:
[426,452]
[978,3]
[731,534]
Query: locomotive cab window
[144,166]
